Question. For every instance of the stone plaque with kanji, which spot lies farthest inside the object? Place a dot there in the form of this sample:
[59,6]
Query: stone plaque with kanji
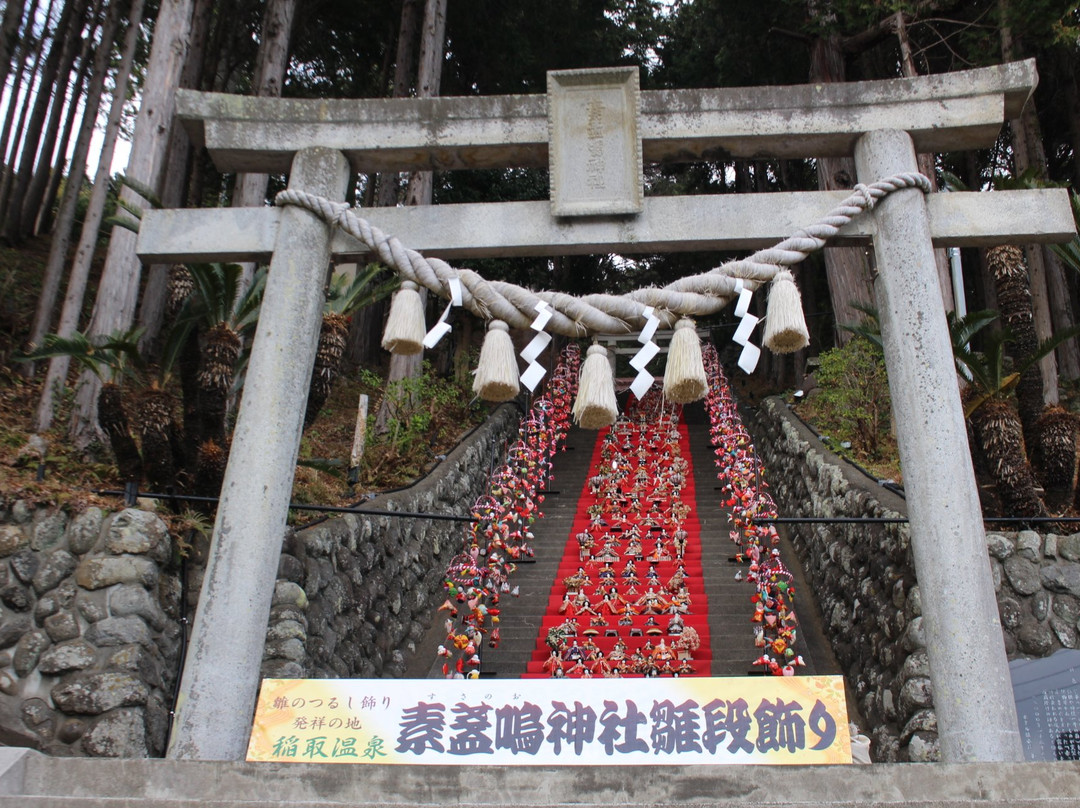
[594,144]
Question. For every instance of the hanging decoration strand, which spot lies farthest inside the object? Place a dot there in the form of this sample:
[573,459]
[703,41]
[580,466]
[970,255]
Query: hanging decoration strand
[592,315]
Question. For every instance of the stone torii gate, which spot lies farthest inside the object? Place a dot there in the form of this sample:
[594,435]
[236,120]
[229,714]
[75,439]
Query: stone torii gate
[597,129]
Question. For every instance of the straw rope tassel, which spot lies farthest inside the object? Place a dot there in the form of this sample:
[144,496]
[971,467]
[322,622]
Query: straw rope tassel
[497,370]
[405,328]
[785,326]
[684,379]
[595,406]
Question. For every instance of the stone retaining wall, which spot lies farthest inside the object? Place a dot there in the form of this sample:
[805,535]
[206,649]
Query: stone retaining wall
[864,583]
[89,631]
[355,594]
[90,618]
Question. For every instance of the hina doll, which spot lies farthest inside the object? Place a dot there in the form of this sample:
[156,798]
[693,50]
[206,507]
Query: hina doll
[675,625]
[585,545]
[651,603]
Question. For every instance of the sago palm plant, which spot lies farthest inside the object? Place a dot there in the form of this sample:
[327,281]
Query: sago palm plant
[343,297]
[990,379]
[995,422]
[989,405]
[212,316]
[112,359]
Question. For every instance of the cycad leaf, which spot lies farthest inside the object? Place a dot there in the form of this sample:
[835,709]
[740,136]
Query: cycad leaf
[963,329]
[113,352]
[246,312]
[120,221]
[870,327]
[952,182]
[345,296]
[145,191]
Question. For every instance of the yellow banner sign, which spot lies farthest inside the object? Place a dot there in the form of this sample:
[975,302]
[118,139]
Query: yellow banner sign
[768,720]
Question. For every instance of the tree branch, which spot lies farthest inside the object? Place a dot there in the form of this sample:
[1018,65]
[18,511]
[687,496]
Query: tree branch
[857,43]
[798,37]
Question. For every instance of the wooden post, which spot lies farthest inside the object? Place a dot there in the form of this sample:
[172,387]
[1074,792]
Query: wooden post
[359,437]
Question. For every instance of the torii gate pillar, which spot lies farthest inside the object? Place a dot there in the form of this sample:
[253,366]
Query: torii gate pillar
[221,678]
[969,670]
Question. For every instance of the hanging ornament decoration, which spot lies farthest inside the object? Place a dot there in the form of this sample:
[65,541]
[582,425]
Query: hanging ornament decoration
[629,599]
[500,534]
[774,622]
[506,305]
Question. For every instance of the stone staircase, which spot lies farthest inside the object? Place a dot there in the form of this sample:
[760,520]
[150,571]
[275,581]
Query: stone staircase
[521,616]
[728,599]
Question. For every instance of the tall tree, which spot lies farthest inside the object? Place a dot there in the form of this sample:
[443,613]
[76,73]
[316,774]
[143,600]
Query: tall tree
[43,218]
[114,308]
[270,67]
[24,46]
[12,134]
[205,41]
[57,132]
[363,340]
[95,210]
[22,86]
[9,36]
[428,76]
[177,174]
[61,240]
[850,283]
[57,63]
[1028,156]
[1049,290]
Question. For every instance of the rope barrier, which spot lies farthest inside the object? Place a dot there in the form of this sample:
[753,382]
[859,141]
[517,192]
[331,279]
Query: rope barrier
[359,510]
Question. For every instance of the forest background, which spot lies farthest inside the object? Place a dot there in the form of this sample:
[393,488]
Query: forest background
[159,351]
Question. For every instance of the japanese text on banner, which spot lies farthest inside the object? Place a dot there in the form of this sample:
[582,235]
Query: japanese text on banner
[774,720]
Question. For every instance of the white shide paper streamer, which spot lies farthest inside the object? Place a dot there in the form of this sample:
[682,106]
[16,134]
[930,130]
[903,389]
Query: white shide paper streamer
[442,328]
[649,349]
[531,352]
[751,353]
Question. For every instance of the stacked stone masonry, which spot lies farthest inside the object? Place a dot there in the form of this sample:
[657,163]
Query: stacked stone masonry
[89,631]
[355,594]
[90,605]
[864,583]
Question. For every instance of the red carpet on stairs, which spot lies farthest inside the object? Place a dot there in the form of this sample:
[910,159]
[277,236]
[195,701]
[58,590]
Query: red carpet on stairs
[628,598]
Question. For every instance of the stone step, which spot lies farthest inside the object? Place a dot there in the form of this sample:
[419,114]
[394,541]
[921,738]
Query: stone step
[31,780]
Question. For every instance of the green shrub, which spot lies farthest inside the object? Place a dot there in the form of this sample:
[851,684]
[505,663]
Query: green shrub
[426,411]
[853,401]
